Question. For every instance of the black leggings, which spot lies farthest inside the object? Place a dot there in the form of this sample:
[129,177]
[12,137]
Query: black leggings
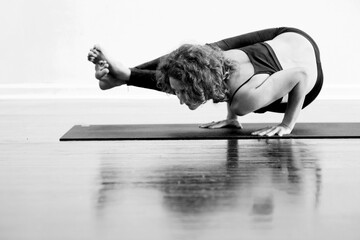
[144,75]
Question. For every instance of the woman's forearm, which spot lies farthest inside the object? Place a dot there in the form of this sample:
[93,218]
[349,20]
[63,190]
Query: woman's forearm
[295,103]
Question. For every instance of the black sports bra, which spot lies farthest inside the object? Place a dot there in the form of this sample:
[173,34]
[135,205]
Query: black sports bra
[263,59]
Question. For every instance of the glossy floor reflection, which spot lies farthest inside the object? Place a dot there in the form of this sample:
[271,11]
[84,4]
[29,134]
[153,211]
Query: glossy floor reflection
[278,189]
[217,189]
[219,178]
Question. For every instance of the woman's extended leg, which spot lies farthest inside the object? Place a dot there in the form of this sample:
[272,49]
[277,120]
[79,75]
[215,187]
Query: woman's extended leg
[144,75]
[249,38]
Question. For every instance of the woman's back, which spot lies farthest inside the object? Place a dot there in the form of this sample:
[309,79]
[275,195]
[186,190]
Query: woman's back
[291,49]
[294,50]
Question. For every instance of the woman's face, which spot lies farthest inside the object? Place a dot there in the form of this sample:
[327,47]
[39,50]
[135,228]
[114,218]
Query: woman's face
[180,92]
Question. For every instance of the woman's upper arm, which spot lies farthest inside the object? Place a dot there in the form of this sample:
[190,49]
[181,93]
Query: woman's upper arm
[271,89]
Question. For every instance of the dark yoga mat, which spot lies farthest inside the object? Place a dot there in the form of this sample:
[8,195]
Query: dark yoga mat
[192,131]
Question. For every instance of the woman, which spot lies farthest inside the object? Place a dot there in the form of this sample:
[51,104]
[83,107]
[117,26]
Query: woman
[277,70]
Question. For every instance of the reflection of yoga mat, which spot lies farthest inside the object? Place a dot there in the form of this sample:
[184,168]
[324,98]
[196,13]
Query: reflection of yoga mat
[192,131]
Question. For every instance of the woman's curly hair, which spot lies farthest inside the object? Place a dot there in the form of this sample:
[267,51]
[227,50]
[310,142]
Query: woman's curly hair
[201,69]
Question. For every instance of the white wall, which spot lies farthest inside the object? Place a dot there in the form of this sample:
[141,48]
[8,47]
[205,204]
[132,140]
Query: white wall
[44,43]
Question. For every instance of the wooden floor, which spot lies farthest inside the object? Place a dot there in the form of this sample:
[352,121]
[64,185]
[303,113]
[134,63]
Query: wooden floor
[216,189]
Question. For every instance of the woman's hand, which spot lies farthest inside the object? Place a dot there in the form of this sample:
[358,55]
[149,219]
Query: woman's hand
[280,130]
[227,123]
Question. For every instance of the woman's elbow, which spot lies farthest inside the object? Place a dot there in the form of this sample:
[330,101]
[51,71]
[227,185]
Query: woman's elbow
[302,75]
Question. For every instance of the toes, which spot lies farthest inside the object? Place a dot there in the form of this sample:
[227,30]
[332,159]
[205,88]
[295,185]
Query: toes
[94,56]
[105,65]
[91,58]
[101,73]
[97,47]
[95,52]
[101,64]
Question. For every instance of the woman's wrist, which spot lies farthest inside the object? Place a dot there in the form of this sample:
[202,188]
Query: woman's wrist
[231,115]
[286,125]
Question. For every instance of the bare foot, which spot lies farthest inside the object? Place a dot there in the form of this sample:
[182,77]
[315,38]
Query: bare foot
[106,80]
[109,73]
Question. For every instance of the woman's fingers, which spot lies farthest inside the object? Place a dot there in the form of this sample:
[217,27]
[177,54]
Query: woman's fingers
[212,124]
[274,131]
[266,131]
[271,131]
[218,124]
[261,131]
[206,125]
[222,124]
